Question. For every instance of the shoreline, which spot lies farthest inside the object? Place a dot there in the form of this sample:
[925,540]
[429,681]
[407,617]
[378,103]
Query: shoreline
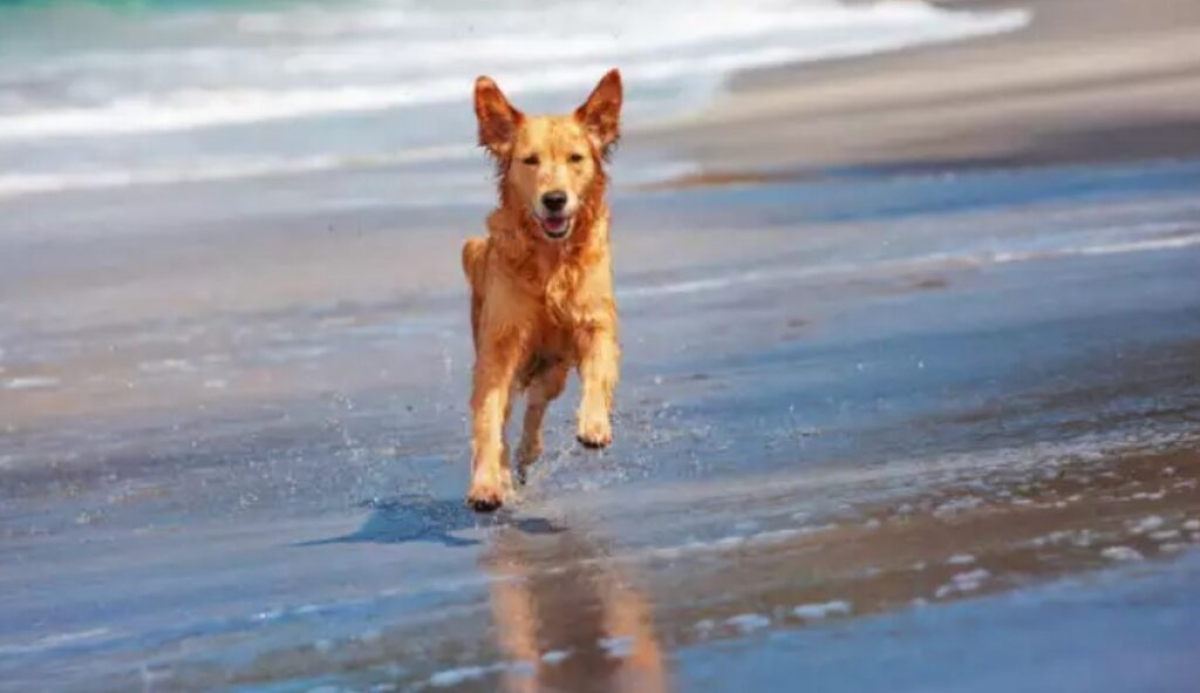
[858,413]
[1085,82]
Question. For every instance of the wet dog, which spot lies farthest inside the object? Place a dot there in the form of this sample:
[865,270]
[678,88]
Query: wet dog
[541,281]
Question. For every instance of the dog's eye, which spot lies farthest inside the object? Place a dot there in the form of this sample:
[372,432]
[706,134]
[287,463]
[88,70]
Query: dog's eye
[531,160]
[575,158]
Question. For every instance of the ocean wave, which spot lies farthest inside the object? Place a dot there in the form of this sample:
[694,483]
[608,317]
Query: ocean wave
[98,100]
[434,60]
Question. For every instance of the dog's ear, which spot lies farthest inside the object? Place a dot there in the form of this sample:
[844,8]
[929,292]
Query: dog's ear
[498,119]
[601,113]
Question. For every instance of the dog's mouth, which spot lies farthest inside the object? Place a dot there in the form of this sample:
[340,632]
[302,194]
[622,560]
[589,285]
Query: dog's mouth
[556,226]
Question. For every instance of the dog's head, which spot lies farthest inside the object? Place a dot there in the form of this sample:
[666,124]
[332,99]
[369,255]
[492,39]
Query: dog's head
[550,165]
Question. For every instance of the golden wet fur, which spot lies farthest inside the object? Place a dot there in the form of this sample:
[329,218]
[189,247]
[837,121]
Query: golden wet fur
[541,304]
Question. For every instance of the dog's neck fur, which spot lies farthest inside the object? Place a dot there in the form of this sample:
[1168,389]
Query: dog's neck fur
[540,260]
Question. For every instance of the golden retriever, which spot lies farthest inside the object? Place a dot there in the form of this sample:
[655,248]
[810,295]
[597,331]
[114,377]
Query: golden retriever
[541,281]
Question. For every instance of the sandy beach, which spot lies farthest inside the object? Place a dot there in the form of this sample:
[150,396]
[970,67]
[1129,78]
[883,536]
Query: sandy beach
[1084,82]
[910,402]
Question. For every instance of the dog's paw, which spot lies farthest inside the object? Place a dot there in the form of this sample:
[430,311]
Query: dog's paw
[595,433]
[527,453]
[485,497]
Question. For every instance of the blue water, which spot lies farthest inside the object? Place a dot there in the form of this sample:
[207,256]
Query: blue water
[109,95]
[1132,630]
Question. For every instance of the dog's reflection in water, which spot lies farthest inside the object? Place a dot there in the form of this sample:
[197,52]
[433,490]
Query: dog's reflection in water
[569,617]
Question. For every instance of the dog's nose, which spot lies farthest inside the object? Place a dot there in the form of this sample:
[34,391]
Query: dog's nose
[554,201]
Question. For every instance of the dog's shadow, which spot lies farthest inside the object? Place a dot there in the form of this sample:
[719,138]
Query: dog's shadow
[416,518]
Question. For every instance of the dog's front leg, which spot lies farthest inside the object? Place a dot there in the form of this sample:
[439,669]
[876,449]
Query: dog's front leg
[599,365]
[499,353]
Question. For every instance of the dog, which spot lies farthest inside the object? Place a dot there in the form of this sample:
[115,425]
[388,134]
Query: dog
[541,281]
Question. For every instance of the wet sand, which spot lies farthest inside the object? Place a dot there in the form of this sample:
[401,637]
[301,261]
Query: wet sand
[873,418]
[877,430]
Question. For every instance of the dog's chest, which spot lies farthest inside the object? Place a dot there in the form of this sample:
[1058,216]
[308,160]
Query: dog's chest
[559,297]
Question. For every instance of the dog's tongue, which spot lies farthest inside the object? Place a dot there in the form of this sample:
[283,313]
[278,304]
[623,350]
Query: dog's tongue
[554,223]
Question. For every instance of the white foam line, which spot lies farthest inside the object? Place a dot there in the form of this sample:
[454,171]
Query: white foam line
[1136,246]
[817,612]
[1104,249]
[31,383]
[449,678]
[18,184]
[918,262]
[748,622]
[51,642]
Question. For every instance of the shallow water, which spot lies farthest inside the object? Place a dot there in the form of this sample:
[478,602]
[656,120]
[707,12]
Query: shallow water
[235,445]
